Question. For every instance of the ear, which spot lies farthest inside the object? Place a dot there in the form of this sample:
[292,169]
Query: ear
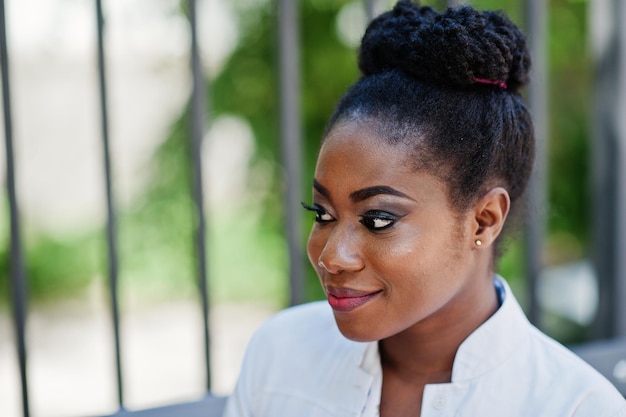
[489,215]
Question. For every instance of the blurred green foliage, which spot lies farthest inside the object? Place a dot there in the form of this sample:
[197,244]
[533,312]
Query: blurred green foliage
[246,250]
[329,67]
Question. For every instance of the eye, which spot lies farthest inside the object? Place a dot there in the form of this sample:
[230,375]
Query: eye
[378,220]
[322,215]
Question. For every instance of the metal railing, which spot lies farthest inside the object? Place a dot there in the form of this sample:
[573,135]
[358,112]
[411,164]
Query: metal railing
[113,264]
[613,288]
[18,277]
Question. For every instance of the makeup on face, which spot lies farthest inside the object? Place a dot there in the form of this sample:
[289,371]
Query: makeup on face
[384,243]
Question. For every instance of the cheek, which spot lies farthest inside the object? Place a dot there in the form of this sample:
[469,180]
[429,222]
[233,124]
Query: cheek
[398,263]
[396,252]
[409,265]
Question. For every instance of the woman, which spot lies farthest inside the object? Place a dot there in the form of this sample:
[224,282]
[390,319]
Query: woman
[421,164]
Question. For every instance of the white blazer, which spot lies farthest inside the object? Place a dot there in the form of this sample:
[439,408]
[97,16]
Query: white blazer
[299,365]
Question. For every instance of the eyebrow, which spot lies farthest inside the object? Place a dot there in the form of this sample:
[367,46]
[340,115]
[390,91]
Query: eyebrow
[321,189]
[365,193]
[369,192]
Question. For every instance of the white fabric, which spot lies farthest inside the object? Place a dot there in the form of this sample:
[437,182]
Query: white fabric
[299,365]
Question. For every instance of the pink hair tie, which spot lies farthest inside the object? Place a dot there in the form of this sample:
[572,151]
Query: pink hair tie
[500,84]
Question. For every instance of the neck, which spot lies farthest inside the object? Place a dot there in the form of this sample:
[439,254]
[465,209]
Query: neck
[425,352]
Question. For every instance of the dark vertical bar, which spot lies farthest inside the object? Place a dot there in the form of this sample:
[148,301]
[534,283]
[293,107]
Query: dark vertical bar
[609,167]
[197,121]
[111,220]
[288,42]
[18,275]
[454,3]
[370,6]
[620,111]
[536,12]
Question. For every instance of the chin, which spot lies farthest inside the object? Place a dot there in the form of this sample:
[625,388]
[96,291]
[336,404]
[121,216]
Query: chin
[355,333]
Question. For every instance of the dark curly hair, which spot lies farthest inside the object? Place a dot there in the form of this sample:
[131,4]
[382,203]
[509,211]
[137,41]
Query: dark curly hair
[448,85]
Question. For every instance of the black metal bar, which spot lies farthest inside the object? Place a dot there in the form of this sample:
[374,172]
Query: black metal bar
[609,168]
[536,12]
[111,218]
[620,111]
[197,120]
[454,3]
[18,275]
[370,6]
[603,169]
[289,70]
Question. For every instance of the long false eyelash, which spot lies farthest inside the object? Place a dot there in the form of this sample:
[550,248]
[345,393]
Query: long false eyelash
[369,220]
[314,208]
[318,210]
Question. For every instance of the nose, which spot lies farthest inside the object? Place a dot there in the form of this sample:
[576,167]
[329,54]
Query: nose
[341,252]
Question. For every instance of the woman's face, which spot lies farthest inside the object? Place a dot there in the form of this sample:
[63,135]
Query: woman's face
[390,252]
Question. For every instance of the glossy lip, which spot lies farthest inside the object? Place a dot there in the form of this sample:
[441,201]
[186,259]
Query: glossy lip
[347,299]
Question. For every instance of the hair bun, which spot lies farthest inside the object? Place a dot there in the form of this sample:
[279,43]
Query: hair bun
[453,48]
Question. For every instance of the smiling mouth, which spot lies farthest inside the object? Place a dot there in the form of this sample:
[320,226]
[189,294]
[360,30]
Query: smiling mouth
[344,300]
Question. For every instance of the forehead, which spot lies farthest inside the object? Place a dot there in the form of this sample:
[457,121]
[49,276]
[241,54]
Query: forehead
[354,155]
[356,141]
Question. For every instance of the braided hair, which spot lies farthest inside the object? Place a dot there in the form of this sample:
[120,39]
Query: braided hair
[447,85]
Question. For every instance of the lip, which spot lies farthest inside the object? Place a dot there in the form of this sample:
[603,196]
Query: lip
[347,299]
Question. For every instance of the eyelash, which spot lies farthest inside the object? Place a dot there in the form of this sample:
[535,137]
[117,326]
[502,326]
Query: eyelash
[368,220]
[319,212]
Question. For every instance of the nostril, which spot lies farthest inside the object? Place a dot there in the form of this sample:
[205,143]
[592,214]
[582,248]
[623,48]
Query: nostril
[330,268]
[329,265]
[340,252]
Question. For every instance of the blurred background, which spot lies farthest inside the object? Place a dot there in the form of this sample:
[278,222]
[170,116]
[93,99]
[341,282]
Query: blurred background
[61,191]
